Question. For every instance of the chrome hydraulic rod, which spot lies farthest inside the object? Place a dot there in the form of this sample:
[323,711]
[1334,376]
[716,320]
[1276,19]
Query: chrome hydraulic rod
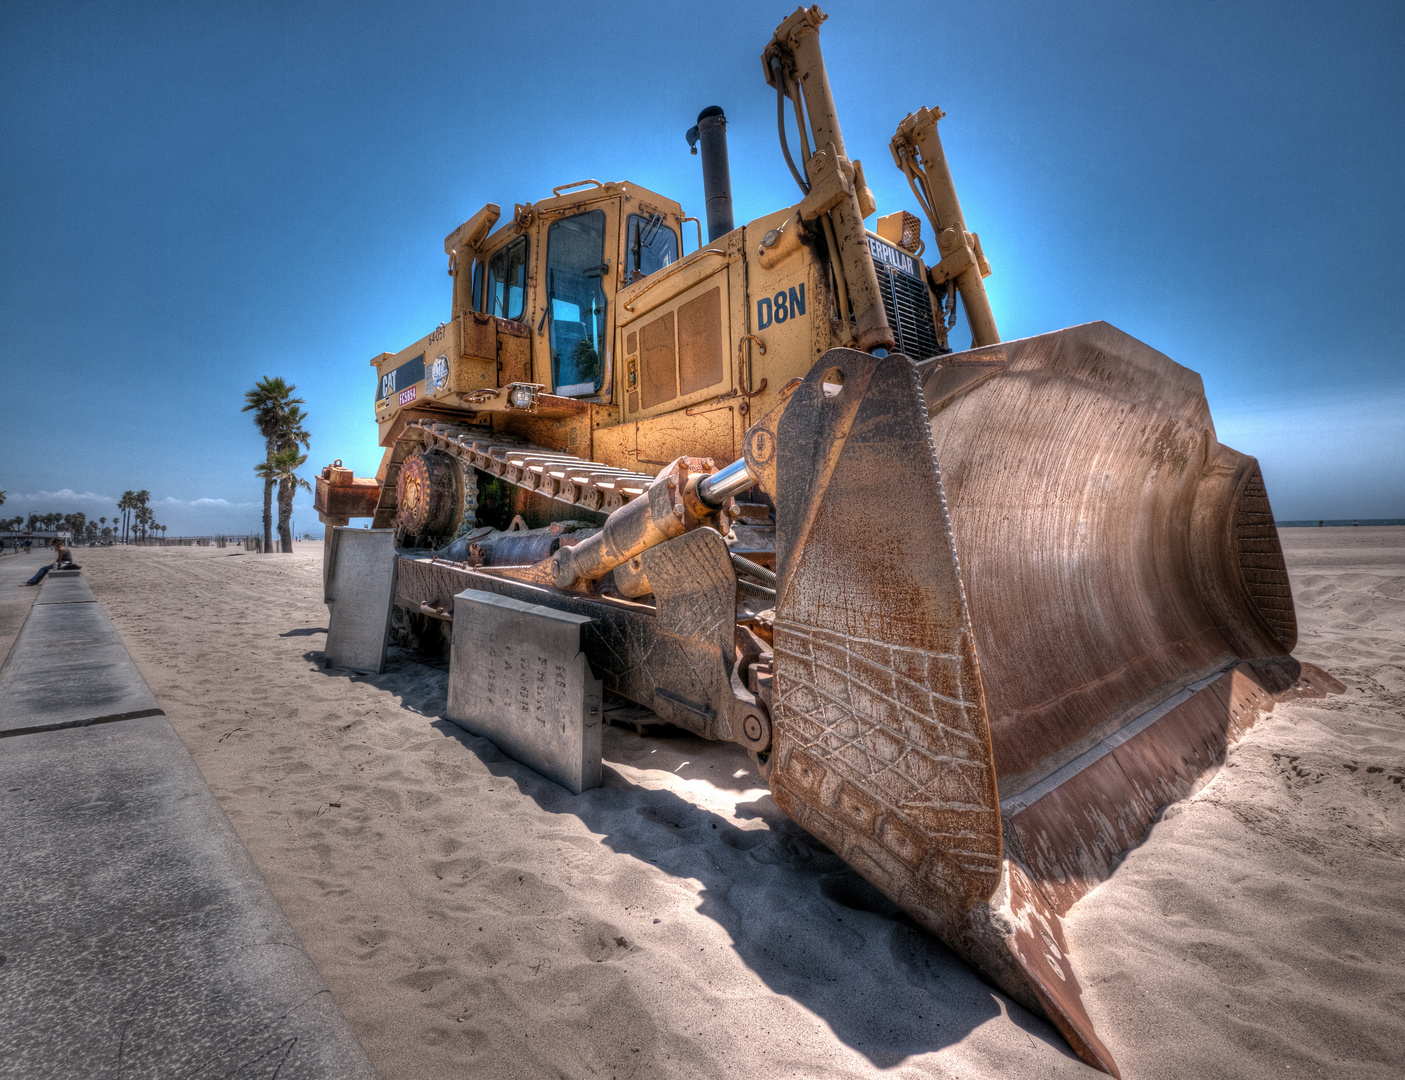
[715,490]
[682,497]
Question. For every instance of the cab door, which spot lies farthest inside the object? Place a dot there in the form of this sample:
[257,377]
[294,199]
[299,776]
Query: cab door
[579,290]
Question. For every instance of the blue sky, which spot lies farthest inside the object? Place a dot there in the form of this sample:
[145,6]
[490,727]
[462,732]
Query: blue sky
[193,195]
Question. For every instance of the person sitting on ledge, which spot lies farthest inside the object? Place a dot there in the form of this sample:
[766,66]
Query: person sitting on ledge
[61,559]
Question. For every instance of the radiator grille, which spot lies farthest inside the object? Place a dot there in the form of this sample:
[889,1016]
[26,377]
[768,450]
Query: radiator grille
[909,312]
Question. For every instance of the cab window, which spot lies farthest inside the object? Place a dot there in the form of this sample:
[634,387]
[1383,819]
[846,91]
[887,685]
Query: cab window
[651,246]
[575,265]
[507,280]
[477,299]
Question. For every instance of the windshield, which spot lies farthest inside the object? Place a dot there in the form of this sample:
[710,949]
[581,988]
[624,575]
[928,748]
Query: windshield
[507,280]
[651,246]
[575,263]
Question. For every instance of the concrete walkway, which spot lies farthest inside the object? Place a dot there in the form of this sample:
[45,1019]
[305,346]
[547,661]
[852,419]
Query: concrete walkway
[137,939]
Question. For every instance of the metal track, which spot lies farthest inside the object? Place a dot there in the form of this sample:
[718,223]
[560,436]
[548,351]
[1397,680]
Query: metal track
[550,473]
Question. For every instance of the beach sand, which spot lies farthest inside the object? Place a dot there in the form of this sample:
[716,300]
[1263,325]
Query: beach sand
[474,919]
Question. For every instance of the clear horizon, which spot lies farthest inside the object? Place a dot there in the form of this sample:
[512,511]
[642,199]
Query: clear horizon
[193,198]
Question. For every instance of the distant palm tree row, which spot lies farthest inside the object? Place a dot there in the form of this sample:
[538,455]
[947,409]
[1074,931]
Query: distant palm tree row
[81,527]
[280,421]
[137,521]
[57,521]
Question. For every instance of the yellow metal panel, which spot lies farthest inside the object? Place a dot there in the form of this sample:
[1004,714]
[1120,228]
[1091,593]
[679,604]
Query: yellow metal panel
[615,446]
[651,370]
[514,358]
[442,340]
[570,434]
[797,287]
[648,445]
[658,361]
[700,349]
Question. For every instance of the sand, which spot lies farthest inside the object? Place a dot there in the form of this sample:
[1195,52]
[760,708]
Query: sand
[473,919]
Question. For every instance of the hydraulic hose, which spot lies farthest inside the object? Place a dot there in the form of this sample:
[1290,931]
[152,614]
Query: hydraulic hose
[780,126]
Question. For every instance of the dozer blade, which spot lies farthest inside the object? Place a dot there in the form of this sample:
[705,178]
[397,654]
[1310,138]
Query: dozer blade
[881,741]
[991,675]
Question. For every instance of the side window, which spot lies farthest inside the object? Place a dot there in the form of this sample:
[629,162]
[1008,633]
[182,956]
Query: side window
[507,280]
[476,302]
[575,263]
[651,246]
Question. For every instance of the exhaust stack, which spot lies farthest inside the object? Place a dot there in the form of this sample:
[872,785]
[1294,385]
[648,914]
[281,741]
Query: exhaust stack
[711,129]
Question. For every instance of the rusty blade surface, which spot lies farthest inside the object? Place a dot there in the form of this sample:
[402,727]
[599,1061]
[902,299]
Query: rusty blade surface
[881,743]
[1041,952]
[1112,550]
[1119,564]
[1071,830]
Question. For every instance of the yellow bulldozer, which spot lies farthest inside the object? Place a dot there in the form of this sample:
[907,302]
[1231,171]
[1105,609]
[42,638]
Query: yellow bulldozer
[977,616]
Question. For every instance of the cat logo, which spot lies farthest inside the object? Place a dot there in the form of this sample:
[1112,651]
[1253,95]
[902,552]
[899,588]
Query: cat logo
[402,379]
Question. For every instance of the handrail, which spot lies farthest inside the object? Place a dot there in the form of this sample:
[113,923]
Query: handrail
[664,275]
[578,183]
[698,223]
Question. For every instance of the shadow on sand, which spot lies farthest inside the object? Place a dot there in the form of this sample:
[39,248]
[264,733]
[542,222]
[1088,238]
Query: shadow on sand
[809,926]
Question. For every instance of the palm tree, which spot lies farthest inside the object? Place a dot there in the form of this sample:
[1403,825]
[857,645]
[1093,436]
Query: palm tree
[282,469]
[124,504]
[270,401]
[289,438]
[144,514]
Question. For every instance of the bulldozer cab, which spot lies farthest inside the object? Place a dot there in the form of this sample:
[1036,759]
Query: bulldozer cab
[556,269]
[580,326]
[534,301]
